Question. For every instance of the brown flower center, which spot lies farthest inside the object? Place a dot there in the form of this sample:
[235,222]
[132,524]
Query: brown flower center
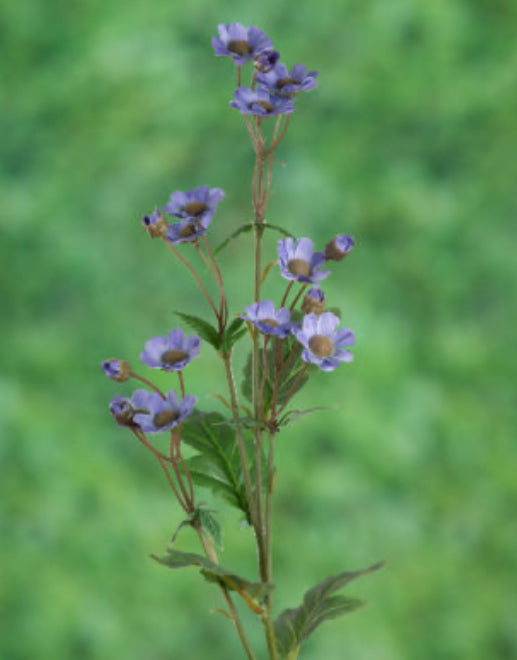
[239,47]
[195,208]
[266,105]
[321,346]
[188,230]
[283,82]
[299,267]
[174,356]
[165,417]
[270,322]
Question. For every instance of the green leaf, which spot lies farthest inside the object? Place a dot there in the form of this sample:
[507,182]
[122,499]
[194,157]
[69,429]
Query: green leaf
[218,465]
[253,593]
[283,231]
[294,626]
[232,334]
[210,524]
[247,228]
[204,329]
[242,229]
[292,415]
[289,380]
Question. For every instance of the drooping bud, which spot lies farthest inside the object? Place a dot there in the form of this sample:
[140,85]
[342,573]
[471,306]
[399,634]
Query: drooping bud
[118,370]
[266,60]
[155,224]
[314,302]
[122,411]
[339,247]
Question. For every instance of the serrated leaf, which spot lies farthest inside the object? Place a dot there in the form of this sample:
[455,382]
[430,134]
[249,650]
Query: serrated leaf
[204,329]
[294,626]
[218,465]
[253,593]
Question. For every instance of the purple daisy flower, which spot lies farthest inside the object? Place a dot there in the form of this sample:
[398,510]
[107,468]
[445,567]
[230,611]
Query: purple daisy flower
[339,247]
[299,262]
[155,224]
[240,43]
[282,81]
[197,204]
[324,345]
[261,102]
[171,353]
[314,302]
[163,414]
[124,409]
[187,230]
[118,370]
[266,60]
[267,320]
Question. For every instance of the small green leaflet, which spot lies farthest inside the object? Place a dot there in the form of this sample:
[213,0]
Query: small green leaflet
[247,228]
[203,328]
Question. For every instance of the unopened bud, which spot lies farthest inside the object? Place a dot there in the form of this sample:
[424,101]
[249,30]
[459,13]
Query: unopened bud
[118,370]
[339,247]
[266,60]
[155,224]
[314,302]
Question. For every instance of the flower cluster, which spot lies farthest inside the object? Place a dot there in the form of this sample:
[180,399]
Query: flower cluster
[152,412]
[194,209]
[273,85]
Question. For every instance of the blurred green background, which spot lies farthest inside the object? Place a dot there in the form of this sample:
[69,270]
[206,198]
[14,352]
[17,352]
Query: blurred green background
[409,144]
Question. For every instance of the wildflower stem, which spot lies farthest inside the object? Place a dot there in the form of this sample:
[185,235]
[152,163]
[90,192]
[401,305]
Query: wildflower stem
[196,277]
[161,458]
[293,389]
[302,289]
[219,278]
[286,294]
[241,444]
[212,556]
[148,382]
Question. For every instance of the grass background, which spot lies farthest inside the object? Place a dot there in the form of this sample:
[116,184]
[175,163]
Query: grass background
[408,144]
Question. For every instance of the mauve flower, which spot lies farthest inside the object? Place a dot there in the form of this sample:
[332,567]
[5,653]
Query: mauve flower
[240,43]
[124,409]
[313,302]
[339,247]
[266,60]
[324,344]
[118,370]
[261,102]
[282,81]
[163,414]
[187,230]
[299,262]
[155,224]
[171,353]
[268,321]
[197,204]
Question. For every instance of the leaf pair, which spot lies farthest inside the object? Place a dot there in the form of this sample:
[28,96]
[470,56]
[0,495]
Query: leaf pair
[210,334]
[253,593]
[294,626]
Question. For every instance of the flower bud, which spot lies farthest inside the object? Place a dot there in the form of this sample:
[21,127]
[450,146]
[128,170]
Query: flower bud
[118,370]
[339,247]
[266,60]
[155,224]
[314,302]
